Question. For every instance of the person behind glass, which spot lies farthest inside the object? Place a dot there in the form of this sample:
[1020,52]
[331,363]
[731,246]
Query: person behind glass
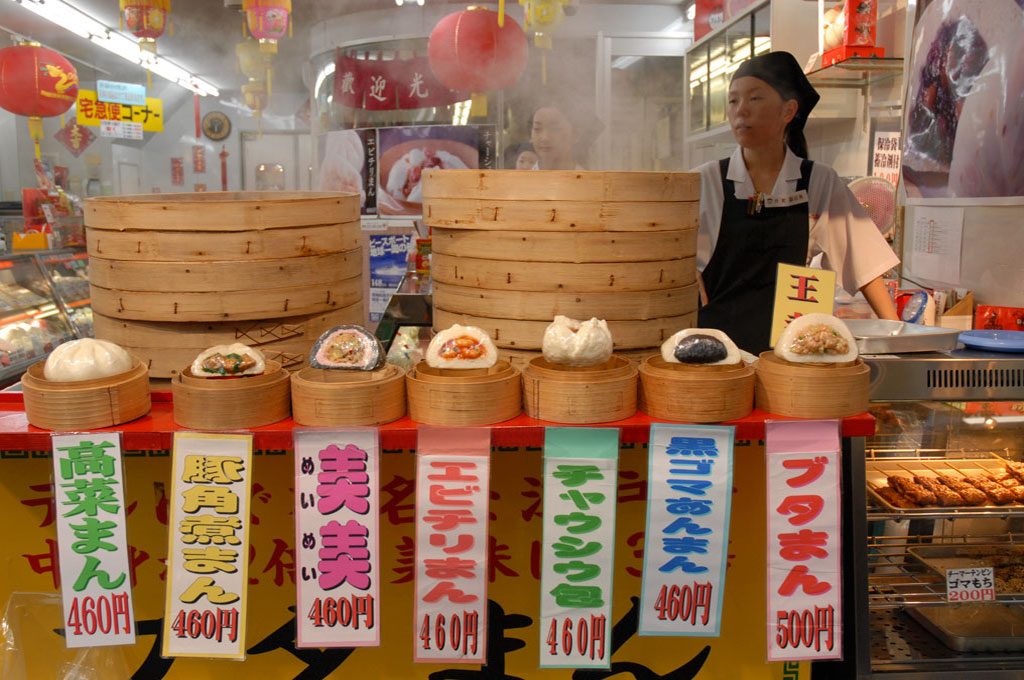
[526,158]
[554,136]
[767,204]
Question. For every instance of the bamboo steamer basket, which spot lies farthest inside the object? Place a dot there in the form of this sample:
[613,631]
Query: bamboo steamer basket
[815,390]
[463,397]
[587,246]
[513,249]
[326,398]
[166,346]
[591,394]
[256,244]
[223,256]
[590,277]
[85,404]
[556,186]
[695,394]
[231,403]
[219,211]
[527,335]
[544,306]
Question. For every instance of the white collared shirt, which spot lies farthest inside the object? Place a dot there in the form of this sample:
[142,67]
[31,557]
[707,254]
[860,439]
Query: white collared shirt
[840,229]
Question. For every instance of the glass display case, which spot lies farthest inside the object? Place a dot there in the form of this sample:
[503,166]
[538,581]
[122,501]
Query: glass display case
[69,273]
[32,318]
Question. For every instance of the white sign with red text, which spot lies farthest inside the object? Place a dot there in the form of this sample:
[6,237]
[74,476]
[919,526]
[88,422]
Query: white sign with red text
[453,468]
[94,573]
[804,570]
[337,538]
[970,584]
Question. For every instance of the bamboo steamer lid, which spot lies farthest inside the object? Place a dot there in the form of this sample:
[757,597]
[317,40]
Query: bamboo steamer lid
[591,394]
[220,211]
[695,394]
[811,390]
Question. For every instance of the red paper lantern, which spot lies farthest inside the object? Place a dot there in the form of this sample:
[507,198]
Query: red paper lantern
[146,20]
[36,82]
[469,51]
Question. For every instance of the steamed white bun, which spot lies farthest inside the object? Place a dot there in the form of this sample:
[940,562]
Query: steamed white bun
[86,359]
[577,343]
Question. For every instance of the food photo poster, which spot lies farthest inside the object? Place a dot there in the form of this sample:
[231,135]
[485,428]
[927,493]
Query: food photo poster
[964,114]
[405,152]
[348,162]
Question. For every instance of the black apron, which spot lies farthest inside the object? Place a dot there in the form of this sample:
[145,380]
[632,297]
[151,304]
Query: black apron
[740,278]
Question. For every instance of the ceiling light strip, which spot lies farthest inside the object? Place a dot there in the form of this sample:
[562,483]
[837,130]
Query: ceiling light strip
[83,25]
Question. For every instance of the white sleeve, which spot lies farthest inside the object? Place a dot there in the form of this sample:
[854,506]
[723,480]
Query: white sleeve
[711,200]
[841,230]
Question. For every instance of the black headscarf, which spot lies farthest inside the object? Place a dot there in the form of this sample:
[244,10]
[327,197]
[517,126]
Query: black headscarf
[783,73]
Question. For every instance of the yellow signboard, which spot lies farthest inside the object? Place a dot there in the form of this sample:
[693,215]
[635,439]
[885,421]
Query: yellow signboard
[799,291]
[91,111]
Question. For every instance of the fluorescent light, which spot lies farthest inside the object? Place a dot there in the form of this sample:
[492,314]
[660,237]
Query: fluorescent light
[625,62]
[83,25]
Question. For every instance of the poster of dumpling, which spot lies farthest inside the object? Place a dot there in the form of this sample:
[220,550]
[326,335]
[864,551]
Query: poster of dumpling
[405,152]
[964,113]
[348,162]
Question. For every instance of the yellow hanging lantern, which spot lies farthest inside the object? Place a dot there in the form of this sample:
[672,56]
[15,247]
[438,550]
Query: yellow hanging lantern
[544,17]
[254,63]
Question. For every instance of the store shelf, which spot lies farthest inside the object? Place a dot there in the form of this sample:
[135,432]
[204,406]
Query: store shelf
[154,431]
[857,72]
[902,648]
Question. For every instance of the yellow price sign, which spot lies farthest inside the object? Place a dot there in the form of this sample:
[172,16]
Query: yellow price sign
[799,291]
[90,111]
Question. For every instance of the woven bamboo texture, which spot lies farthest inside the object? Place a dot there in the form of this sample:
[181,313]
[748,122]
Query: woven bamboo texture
[340,398]
[166,347]
[85,404]
[811,390]
[593,394]
[463,397]
[695,394]
[231,403]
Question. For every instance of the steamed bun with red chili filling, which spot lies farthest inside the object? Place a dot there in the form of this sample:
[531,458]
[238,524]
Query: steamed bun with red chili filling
[86,359]
[816,338]
[461,347]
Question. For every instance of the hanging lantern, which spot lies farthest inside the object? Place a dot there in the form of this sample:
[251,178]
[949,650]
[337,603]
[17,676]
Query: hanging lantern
[146,20]
[253,63]
[469,50]
[36,82]
[267,21]
[256,98]
[544,17]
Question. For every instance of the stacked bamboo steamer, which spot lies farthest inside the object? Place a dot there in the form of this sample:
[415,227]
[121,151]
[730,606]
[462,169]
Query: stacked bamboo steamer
[174,274]
[512,249]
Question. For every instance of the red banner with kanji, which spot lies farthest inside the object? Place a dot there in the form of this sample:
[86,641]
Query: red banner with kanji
[75,138]
[379,85]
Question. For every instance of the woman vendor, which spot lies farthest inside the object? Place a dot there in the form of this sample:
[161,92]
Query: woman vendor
[768,204]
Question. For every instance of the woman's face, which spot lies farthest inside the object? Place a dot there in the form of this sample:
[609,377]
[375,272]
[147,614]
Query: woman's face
[551,136]
[757,113]
[526,160]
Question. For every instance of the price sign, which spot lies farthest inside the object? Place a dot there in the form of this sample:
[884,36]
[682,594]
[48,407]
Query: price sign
[974,584]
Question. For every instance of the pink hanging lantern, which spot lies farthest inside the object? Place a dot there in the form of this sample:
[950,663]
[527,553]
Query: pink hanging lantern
[268,20]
